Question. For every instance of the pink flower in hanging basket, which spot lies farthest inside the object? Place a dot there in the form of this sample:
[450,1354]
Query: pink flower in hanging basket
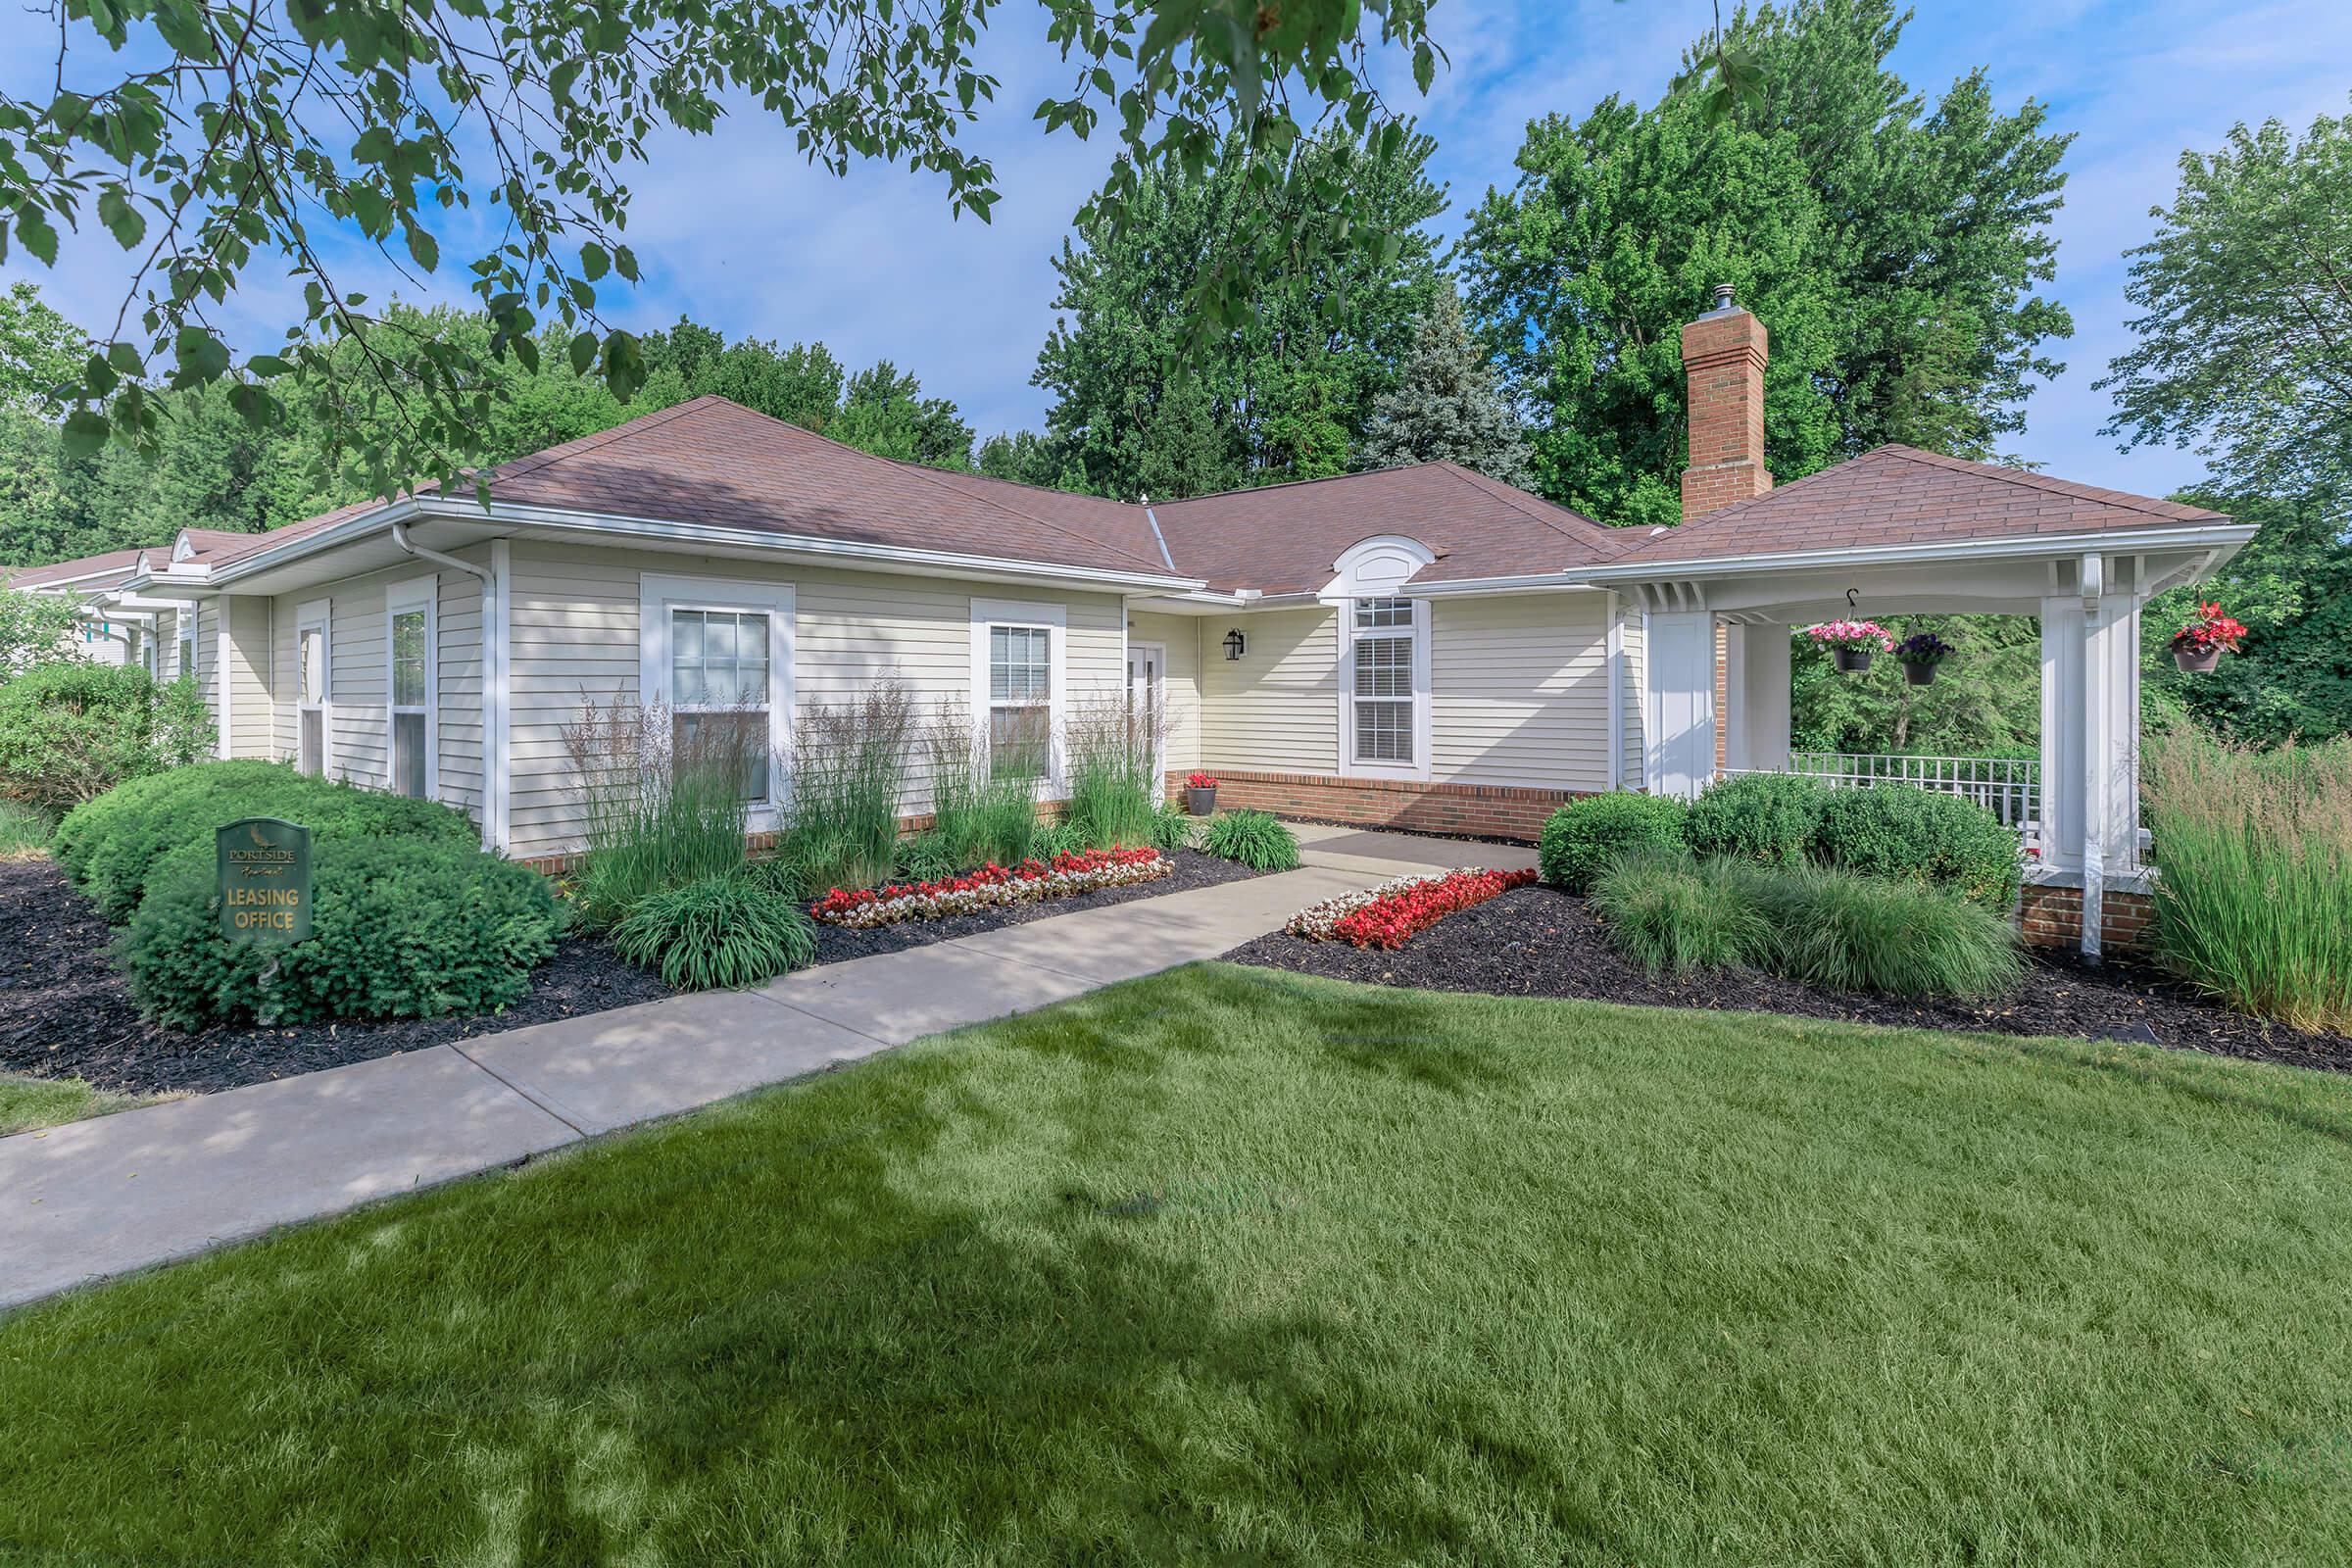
[1867,634]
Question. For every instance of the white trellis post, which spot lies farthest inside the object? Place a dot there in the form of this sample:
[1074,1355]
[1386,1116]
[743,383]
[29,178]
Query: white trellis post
[1756,729]
[2090,740]
[1677,702]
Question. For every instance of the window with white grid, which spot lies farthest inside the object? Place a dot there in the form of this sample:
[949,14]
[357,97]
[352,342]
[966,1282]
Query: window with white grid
[1020,701]
[411,652]
[1383,677]
[718,692]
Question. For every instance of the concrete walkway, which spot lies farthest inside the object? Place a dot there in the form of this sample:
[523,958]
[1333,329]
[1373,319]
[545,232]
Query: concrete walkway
[119,1192]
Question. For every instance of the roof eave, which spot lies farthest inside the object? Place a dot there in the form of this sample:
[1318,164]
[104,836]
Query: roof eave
[2132,541]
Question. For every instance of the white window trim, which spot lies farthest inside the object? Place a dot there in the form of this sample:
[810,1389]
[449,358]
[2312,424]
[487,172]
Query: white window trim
[183,643]
[1160,761]
[318,616]
[658,594]
[1351,766]
[1031,615]
[416,593]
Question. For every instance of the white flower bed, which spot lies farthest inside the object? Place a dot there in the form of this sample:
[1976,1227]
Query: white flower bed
[1314,922]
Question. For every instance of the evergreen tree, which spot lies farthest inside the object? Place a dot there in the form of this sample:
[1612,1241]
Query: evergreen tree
[1447,405]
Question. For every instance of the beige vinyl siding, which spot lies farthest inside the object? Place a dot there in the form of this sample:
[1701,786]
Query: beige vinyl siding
[574,616]
[1519,691]
[1277,709]
[206,614]
[251,712]
[1180,635]
[358,723]
[167,646]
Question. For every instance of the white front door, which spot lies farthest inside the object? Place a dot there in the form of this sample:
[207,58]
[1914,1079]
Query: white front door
[1147,694]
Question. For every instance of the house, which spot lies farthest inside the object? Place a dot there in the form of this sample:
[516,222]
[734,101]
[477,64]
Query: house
[1421,646]
[114,626]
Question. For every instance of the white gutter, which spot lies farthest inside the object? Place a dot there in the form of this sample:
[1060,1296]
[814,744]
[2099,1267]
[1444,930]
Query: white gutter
[2024,546]
[1524,584]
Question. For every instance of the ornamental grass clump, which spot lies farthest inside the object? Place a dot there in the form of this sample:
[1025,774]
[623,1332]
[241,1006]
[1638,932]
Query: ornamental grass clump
[663,803]
[976,818]
[717,933]
[1670,913]
[848,779]
[1252,839]
[2253,855]
[1110,756]
[1844,932]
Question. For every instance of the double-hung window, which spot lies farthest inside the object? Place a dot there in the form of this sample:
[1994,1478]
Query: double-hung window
[718,708]
[714,669]
[1017,684]
[185,620]
[310,623]
[1385,648]
[412,686]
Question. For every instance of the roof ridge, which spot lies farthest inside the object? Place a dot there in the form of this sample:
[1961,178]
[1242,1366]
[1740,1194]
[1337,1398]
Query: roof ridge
[2049,484]
[1510,494]
[1290,484]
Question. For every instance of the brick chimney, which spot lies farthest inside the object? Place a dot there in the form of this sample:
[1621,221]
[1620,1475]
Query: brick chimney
[1723,359]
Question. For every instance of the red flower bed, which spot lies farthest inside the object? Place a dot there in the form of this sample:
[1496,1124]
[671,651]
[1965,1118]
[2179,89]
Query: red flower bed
[991,885]
[1393,919]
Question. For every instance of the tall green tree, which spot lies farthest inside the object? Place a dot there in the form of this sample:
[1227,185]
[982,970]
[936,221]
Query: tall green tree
[1890,247]
[1283,395]
[1446,405]
[2244,352]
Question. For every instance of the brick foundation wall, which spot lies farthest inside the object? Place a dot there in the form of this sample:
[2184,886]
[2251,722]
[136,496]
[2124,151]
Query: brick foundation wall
[1478,810]
[2052,917]
[759,844]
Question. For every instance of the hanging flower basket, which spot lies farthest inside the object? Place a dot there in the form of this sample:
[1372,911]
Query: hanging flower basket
[1920,653]
[2198,647]
[1852,642]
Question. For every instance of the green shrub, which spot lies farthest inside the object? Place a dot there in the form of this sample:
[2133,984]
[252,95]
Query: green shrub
[1583,836]
[1768,819]
[1253,838]
[975,818]
[718,933]
[1173,827]
[69,732]
[1671,913]
[1847,932]
[1054,837]
[926,858]
[1916,835]
[2253,854]
[401,928]
[111,845]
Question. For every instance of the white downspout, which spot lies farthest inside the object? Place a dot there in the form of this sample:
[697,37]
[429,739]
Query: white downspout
[494,685]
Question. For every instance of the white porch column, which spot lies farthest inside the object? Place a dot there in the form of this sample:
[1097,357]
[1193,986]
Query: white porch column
[1756,681]
[2090,741]
[1677,702]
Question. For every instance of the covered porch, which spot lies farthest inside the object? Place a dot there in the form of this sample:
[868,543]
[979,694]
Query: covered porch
[1715,681]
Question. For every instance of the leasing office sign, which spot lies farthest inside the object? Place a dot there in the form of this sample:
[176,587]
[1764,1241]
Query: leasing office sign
[264,867]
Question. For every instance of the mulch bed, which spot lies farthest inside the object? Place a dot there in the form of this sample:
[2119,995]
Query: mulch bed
[1539,942]
[1193,869]
[65,1012]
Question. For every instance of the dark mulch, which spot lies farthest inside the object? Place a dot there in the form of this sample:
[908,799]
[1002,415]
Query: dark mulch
[1538,942]
[64,1013]
[1193,870]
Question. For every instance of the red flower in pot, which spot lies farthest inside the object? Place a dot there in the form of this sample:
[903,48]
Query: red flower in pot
[2199,646]
[1200,792]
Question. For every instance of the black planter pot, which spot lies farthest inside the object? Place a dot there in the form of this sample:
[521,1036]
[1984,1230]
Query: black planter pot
[2194,663]
[1200,803]
[1920,674]
[1852,660]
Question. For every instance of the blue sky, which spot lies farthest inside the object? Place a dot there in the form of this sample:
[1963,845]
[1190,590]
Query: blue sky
[736,231]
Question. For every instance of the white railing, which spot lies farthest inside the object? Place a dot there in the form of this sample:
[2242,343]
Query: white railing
[2009,787]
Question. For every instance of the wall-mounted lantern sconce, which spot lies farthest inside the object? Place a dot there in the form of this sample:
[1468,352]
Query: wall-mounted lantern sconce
[1235,644]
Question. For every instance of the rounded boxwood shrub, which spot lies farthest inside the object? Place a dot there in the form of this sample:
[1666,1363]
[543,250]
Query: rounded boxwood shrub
[1915,835]
[1768,819]
[401,928]
[112,845]
[717,933]
[1583,835]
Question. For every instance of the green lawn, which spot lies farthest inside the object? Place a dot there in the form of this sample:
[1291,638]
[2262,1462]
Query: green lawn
[26,1102]
[1230,1265]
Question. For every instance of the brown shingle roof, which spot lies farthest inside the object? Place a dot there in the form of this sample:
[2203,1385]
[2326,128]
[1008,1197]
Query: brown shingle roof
[1284,538]
[1897,495]
[104,571]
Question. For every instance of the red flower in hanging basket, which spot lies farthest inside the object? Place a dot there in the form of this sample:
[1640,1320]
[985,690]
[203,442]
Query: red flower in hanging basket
[2211,632]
